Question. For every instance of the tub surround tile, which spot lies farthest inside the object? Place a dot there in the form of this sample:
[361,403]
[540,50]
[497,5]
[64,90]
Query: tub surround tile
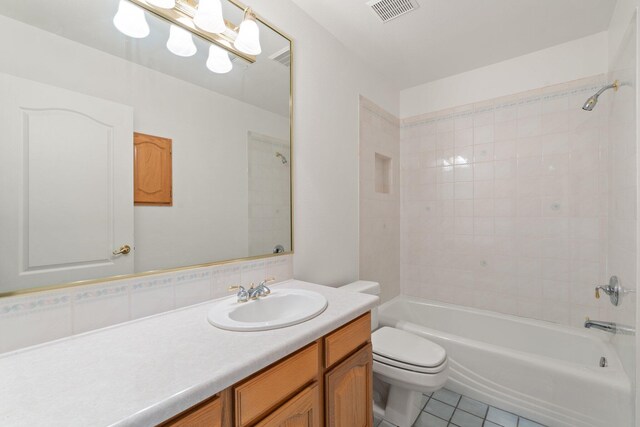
[72,379]
[538,186]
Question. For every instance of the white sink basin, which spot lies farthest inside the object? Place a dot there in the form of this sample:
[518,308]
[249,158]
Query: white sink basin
[283,307]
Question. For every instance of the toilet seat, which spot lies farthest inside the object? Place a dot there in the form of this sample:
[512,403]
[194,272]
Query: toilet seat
[404,350]
[408,367]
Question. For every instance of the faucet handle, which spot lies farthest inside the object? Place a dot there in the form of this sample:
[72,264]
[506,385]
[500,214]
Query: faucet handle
[597,292]
[243,295]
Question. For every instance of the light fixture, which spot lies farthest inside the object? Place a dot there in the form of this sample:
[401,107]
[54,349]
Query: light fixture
[163,4]
[218,61]
[180,42]
[130,20]
[248,40]
[208,16]
[188,18]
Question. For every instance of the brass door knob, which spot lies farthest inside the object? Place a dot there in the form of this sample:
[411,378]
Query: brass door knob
[124,250]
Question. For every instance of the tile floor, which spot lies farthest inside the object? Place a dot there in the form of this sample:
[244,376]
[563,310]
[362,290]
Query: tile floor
[445,408]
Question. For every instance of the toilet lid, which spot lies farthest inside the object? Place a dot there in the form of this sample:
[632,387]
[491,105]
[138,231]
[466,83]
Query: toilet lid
[407,348]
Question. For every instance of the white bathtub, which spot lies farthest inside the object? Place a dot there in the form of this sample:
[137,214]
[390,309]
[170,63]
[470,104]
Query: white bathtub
[543,371]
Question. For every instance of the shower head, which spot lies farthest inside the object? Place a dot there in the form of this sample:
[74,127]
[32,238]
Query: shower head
[590,103]
[282,158]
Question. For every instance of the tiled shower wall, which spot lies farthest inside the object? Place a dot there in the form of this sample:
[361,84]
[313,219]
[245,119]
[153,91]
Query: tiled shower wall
[504,204]
[379,198]
[269,194]
[623,186]
[36,318]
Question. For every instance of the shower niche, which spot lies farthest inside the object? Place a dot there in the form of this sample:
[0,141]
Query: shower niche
[383,174]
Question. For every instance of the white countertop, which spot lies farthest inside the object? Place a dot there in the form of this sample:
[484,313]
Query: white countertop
[143,372]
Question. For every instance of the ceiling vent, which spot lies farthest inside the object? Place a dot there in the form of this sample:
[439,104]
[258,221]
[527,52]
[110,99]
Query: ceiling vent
[387,10]
[282,56]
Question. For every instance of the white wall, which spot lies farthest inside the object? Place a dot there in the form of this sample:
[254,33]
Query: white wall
[569,61]
[196,119]
[327,83]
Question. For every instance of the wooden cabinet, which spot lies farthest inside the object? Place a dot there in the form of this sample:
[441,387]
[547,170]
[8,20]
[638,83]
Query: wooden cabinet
[329,382]
[207,414]
[262,393]
[301,411]
[152,170]
[348,391]
[347,339]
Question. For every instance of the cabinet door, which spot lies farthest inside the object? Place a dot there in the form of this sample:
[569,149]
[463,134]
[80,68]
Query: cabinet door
[152,170]
[348,391]
[301,411]
[207,414]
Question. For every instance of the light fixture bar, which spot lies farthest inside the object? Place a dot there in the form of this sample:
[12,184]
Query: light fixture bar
[181,17]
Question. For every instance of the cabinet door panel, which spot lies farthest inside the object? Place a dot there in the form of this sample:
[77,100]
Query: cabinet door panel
[259,395]
[208,414]
[348,390]
[301,411]
[152,170]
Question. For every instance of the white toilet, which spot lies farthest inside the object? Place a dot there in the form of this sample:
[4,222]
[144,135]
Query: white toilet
[410,365]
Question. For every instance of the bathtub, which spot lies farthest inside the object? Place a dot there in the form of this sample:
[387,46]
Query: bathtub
[543,371]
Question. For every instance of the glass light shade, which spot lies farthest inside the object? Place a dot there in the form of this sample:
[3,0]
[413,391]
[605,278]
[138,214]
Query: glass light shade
[218,61]
[163,4]
[209,16]
[181,42]
[130,20]
[248,40]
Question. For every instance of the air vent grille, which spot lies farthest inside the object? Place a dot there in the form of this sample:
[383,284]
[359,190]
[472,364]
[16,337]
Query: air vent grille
[282,56]
[387,10]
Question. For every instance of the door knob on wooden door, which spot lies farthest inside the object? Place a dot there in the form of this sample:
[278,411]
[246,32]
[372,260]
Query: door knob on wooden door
[124,250]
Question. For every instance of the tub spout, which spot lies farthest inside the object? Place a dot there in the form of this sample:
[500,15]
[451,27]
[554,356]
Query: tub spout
[603,326]
[612,327]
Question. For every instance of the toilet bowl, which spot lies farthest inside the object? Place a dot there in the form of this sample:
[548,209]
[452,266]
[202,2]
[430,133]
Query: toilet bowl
[410,365]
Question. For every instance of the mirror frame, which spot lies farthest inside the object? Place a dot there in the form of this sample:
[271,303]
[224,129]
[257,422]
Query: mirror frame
[212,263]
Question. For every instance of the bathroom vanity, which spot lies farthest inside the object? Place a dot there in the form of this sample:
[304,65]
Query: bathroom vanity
[329,380]
[176,369]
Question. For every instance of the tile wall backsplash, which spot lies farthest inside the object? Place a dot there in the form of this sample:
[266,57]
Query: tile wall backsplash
[36,318]
[504,204]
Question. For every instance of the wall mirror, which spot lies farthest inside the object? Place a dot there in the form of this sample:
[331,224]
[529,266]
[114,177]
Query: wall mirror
[207,180]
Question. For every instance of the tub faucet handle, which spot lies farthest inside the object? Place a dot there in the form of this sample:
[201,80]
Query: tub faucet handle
[613,289]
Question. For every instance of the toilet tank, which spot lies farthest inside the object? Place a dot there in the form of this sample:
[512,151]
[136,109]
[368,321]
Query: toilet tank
[366,287]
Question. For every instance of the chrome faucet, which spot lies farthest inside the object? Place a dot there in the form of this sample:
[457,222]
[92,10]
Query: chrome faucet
[603,326]
[242,295]
[612,327]
[262,290]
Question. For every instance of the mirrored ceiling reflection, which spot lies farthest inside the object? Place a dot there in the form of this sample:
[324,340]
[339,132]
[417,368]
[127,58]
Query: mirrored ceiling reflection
[264,84]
